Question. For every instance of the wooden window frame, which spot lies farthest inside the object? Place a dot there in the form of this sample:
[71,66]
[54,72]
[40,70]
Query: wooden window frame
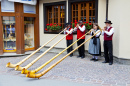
[70,2]
[45,5]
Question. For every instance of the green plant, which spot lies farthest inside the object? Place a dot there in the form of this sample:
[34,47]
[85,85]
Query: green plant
[54,26]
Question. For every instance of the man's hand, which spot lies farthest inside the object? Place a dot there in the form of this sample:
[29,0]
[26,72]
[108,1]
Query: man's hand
[77,25]
[65,28]
[104,29]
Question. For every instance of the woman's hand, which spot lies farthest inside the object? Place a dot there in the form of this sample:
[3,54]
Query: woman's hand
[92,30]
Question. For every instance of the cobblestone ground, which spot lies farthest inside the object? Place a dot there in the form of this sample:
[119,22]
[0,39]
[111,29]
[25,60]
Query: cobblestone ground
[75,70]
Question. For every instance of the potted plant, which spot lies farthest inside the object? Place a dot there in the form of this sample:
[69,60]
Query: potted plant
[53,27]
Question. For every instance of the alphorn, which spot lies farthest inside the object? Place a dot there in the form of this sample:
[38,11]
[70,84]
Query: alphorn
[25,71]
[31,75]
[19,68]
[10,65]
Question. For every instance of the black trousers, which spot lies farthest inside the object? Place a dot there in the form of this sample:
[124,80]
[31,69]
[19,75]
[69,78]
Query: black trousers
[81,50]
[69,42]
[108,51]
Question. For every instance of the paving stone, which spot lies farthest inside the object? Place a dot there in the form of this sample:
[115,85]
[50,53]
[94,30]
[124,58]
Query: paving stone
[74,69]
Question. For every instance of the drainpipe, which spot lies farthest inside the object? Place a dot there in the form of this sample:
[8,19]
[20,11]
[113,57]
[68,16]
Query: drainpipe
[107,9]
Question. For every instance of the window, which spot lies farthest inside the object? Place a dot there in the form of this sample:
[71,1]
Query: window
[29,8]
[56,14]
[83,11]
[29,33]
[9,34]
[7,6]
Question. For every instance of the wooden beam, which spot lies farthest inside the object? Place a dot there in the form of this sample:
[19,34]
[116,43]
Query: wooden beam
[1,34]
[36,27]
[19,19]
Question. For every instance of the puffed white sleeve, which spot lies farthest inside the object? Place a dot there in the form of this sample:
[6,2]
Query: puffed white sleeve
[110,32]
[98,34]
[82,28]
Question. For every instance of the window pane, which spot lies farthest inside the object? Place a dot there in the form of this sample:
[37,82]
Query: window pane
[84,19]
[90,5]
[29,33]
[29,8]
[93,5]
[84,12]
[7,6]
[82,7]
[63,8]
[93,12]
[81,13]
[9,36]
[73,13]
[76,6]
[90,19]
[76,13]
[90,14]
[93,19]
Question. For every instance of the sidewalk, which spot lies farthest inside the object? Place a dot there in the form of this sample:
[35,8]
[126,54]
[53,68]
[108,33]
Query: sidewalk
[9,80]
[69,72]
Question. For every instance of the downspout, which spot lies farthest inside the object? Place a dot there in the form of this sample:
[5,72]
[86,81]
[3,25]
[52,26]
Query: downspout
[106,9]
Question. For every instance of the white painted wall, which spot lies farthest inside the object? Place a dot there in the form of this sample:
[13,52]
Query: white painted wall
[124,42]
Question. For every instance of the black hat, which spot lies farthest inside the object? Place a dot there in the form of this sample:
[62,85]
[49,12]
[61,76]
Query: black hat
[67,24]
[108,21]
[80,21]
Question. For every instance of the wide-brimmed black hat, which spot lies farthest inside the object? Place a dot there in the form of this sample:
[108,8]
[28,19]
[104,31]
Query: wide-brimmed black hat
[67,24]
[108,21]
[80,21]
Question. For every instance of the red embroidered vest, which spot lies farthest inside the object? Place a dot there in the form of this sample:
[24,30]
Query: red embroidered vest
[106,37]
[70,36]
[80,33]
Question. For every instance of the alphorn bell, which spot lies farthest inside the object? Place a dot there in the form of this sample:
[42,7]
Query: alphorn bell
[10,65]
[30,75]
[25,71]
[19,68]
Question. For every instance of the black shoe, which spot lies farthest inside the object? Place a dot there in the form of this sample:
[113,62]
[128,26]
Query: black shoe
[78,56]
[92,59]
[110,63]
[95,60]
[105,62]
[82,57]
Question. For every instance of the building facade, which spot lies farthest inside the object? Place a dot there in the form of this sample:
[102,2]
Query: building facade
[19,26]
[62,11]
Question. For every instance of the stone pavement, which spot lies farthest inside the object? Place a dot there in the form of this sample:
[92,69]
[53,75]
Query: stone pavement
[72,71]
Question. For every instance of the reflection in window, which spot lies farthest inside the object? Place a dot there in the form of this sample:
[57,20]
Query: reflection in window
[9,34]
[29,33]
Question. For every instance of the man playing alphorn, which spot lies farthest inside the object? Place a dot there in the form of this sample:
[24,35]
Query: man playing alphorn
[108,32]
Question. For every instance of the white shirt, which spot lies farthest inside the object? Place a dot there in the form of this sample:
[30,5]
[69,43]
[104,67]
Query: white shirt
[98,34]
[82,29]
[108,33]
[67,31]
